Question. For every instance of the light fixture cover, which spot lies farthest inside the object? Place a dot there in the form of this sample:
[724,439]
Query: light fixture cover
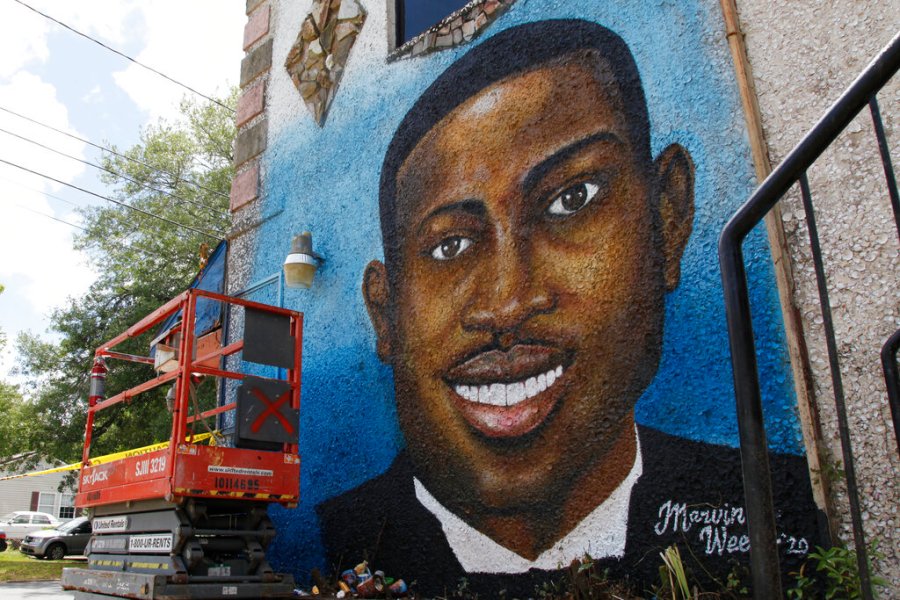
[301,264]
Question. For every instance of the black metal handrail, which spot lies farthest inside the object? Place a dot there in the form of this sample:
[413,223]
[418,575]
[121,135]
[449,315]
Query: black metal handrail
[766,576]
[892,380]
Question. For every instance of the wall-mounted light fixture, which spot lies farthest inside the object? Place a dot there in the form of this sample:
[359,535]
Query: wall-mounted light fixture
[301,264]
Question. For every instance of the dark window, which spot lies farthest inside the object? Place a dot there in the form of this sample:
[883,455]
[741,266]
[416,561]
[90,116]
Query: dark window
[416,16]
[66,506]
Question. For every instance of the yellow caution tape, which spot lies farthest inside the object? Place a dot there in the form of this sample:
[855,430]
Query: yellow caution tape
[99,460]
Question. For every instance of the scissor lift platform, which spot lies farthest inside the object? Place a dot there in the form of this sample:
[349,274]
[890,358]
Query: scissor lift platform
[189,520]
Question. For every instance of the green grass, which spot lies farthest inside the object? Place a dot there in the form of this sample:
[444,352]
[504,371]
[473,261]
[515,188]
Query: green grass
[15,566]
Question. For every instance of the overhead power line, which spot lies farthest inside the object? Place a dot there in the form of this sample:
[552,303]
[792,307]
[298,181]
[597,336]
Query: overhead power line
[121,237]
[37,212]
[114,201]
[33,189]
[180,199]
[113,50]
[187,180]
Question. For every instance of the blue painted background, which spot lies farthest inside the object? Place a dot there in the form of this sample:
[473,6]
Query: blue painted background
[326,180]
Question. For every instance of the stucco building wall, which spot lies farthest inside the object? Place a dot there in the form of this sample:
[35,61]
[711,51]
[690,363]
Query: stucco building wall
[803,56]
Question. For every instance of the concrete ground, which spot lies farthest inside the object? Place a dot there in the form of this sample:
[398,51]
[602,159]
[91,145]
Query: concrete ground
[34,590]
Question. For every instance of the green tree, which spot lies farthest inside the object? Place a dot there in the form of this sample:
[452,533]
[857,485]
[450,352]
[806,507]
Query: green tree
[176,182]
[11,417]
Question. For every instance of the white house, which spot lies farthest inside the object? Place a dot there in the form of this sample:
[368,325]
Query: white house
[34,492]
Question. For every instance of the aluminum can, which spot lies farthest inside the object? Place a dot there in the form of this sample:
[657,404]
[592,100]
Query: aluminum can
[350,578]
[398,589]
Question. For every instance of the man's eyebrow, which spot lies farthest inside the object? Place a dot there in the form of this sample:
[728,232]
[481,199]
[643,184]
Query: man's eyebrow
[537,173]
[472,207]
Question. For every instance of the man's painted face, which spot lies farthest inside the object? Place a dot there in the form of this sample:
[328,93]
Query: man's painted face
[523,315]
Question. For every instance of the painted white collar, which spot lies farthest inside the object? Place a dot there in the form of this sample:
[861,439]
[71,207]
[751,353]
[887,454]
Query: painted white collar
[601,534]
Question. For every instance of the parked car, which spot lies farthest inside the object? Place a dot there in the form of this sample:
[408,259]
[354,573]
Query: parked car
[68,538]
[20,523]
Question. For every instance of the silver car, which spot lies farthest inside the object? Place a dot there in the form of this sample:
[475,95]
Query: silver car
[68,538]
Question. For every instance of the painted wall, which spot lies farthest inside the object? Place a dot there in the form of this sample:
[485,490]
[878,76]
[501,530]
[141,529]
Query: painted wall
[511,227]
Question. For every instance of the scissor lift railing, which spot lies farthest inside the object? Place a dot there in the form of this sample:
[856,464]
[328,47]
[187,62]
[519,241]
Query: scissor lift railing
[188,468]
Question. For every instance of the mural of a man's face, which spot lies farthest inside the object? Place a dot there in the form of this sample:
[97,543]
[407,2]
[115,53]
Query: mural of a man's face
[523,312]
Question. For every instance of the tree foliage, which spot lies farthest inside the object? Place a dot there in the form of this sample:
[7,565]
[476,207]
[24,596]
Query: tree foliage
[11,417]
[175,180]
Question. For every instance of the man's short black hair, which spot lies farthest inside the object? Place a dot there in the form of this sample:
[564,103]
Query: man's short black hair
[510,52]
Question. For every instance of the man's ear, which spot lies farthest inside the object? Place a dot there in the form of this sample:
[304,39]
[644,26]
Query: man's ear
[675,191]
[378,302]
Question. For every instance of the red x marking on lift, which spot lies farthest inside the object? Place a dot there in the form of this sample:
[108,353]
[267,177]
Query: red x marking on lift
[272,408]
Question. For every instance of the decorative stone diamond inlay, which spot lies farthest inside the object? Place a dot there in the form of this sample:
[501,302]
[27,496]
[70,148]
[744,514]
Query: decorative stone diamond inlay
[318,57]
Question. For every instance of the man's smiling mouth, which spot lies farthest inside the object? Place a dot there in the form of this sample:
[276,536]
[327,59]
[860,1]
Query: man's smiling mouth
[505,394]
[509,394]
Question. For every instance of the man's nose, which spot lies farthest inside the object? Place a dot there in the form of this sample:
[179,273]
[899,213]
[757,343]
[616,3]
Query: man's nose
[510,292]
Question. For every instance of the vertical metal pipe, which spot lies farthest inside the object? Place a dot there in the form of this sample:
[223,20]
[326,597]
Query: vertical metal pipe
[892,380]
[886,160]
[764,563]
[837,383]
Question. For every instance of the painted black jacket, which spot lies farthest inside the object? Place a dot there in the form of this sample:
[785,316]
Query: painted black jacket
[690,493]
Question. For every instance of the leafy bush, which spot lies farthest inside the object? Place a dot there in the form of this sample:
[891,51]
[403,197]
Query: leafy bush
[835,575]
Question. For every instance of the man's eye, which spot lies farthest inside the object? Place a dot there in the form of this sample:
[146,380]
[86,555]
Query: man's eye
[573,198]
[450,247]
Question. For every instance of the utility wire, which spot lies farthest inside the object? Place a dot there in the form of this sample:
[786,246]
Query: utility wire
[114,201]
[116,173]
[147,252]
[37,212]
[113,50]
[28,187]
[75,204]
[115,153]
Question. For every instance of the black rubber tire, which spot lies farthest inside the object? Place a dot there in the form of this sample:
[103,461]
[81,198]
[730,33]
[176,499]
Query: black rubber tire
[56,552]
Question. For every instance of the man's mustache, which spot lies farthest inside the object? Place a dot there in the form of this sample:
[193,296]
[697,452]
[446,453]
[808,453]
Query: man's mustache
[494,364]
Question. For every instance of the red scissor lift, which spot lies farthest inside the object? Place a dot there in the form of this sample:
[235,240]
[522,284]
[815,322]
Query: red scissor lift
[189,520]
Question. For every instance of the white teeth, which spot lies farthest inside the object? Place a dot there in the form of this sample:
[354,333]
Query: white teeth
[509,394]
[515,393]
[469,392]
[497,395]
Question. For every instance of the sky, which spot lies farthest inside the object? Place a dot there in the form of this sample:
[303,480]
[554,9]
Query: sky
[54,76]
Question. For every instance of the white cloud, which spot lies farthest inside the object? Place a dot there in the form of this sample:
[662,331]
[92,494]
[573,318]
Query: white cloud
[23,33]
[28,95]
[94,96]
[197,43]
[37,263]
[36,251]
[102,19]
[23,39]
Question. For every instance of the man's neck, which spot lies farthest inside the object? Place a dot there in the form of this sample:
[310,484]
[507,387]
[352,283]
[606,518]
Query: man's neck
[530,532]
